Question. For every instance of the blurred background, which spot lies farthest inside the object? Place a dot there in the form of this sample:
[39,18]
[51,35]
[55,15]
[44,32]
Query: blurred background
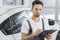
[20,10]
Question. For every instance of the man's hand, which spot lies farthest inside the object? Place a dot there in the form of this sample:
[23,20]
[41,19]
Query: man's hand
[38,31]
[24,36]
[48,36]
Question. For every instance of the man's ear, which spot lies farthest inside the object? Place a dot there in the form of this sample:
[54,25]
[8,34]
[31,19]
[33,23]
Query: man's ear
[51,22]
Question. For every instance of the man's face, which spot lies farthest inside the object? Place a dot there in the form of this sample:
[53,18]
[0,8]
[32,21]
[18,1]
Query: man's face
[37,9]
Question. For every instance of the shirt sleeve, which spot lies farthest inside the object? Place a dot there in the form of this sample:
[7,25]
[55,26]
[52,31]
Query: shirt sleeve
[25,28]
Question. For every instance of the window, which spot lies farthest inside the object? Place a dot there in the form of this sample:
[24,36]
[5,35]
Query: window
[48,13]
[9,2]
[49,3]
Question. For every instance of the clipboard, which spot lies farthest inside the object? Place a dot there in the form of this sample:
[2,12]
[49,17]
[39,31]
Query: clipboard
[45,32]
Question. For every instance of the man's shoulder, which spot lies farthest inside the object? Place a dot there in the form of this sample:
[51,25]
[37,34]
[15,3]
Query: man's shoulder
[44,18]
[25,21]
[29,19]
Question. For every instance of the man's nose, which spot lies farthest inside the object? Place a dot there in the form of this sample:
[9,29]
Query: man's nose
[38,11]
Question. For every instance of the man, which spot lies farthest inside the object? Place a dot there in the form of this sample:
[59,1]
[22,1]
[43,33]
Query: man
[36,23]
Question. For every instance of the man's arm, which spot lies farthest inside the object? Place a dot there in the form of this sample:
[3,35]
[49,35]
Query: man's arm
[25,36]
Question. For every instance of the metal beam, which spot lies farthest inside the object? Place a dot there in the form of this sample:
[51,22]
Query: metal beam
[56,11]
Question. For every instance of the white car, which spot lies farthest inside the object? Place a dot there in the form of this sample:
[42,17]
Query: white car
[11,21]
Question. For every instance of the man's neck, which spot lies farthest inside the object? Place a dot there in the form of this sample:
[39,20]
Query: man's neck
[36,19]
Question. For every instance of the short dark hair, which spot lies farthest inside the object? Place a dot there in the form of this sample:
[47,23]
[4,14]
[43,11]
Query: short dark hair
[36,2]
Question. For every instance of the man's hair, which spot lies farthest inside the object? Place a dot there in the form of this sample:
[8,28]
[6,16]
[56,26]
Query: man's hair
[36,2]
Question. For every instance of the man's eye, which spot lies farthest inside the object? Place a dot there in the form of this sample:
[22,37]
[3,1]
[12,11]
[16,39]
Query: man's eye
[40,9]
[36,9]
